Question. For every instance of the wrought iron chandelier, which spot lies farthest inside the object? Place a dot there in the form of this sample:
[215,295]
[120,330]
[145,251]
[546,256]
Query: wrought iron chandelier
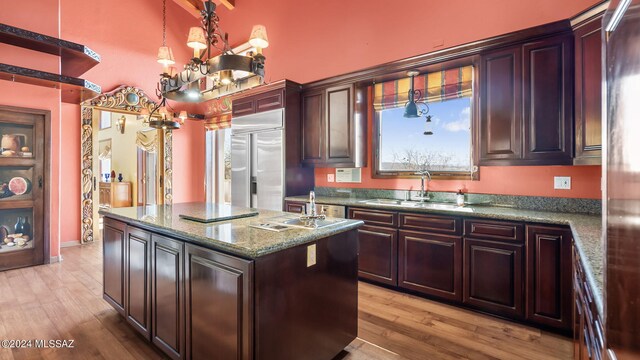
[206,77]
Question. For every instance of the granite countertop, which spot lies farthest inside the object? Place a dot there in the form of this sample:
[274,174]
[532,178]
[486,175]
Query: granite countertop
[232,236]
[586,229]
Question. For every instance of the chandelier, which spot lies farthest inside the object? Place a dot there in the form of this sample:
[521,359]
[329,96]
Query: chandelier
[208,77]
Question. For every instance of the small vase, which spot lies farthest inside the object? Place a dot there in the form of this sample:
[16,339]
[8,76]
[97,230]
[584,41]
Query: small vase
[26,227]
[19,226]
[120,177]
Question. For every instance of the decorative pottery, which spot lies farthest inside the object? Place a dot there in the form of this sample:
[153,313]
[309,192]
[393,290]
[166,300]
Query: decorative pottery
[120,177]
[13,142]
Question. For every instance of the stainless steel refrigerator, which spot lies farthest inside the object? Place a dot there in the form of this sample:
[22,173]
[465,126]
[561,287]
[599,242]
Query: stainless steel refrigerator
[258,160]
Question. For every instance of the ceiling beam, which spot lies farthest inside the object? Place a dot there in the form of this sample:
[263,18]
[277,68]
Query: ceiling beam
[195,6]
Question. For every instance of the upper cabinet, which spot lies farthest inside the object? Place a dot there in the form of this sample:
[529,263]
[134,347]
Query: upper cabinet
[588,90]
[525,104]
[334,126]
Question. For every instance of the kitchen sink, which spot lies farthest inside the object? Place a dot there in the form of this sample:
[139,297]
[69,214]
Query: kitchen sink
[302,224]
[417,204]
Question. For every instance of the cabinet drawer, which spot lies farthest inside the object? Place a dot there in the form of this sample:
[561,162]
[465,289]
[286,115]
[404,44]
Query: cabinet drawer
[374,217]
[243,107]
[431,223]
[496,230]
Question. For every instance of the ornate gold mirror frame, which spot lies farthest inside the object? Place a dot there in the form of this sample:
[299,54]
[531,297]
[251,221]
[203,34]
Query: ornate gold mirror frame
[123,99]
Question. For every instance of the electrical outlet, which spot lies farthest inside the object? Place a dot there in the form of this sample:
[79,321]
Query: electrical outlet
[311,255]
[562,182]
[331,177]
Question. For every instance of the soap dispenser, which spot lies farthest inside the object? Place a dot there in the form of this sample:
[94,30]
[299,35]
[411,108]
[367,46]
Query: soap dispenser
[460,198]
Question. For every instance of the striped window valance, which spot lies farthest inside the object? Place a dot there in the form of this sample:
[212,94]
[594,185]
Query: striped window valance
[218,122]
[434,87]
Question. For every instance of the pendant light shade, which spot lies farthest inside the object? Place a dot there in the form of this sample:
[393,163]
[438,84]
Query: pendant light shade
[411,110]
[183,115]
[226,77]
[258,37]
[196,38]
[165,56]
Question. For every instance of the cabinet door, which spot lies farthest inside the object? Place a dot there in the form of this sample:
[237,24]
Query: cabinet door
[501,106]
[378,254]
[431,264]
[493,277]
[167,295]
[339,127]
[138,279]
[548,110]
[218,305]
[313,127]
[113,273]
[549,276]
[588,96]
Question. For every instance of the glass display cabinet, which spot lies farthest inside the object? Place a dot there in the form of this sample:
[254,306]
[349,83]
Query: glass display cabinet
[22,160]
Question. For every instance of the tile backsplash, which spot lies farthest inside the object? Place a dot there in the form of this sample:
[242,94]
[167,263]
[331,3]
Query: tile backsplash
[539,203]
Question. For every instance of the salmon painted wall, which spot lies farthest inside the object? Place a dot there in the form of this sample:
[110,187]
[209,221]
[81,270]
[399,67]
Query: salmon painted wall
[127,34]
[22,14]
[311,40]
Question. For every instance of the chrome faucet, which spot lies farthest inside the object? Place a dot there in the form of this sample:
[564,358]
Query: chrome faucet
[310,219]
[424,175]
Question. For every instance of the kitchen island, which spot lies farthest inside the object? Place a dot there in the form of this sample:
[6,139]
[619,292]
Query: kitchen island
[228,290]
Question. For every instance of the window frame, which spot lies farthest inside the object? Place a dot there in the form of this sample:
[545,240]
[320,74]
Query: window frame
[439,175]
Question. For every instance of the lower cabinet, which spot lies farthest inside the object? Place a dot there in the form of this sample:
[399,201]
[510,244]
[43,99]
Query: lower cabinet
[167,295]
[549,276]
[219,313]
[378,254]
[494,276]
[431,264]
[113,235]
[138,279]
[588,334]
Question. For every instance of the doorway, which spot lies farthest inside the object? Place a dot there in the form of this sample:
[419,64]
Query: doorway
[124,161]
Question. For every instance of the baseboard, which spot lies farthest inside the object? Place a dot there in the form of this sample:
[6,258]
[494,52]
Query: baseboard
[55,259]
[70,243]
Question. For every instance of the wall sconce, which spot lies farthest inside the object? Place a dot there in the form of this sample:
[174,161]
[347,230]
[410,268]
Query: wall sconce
[120,124]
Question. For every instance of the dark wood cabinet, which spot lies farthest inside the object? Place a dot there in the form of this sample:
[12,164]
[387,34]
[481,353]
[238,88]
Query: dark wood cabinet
[138,280]
[219,317]
[167,295]
[588,334]
[374,217]
[113,242]
[494,276]
[294,207]
[266,101]
[548,110]
[526,111]
[588,92]
[549,276]
[431,264]
[378,254]
[334,126]
[501,105]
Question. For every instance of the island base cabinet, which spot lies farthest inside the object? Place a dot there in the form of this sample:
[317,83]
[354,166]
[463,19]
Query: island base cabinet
[312,305]
[113,235]
[218,305]
[493,277]
[431,264]
[167,295]
[138,278]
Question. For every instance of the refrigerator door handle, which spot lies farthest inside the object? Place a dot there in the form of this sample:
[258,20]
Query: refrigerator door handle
[254,185]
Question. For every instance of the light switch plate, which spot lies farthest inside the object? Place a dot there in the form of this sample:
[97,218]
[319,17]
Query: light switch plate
[331,177]
[562,182]
[311,255]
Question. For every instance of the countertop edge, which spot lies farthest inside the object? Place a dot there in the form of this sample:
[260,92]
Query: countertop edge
[229,248]
[595,287]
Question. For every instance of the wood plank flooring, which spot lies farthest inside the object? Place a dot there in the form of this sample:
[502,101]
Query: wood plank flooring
[63,301]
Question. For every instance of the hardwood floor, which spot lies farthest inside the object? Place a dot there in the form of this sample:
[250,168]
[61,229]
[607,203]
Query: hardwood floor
[63,301]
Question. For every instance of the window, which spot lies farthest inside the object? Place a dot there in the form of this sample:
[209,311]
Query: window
[443,146]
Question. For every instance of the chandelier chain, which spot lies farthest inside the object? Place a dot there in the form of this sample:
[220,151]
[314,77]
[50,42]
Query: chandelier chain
[164,22]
